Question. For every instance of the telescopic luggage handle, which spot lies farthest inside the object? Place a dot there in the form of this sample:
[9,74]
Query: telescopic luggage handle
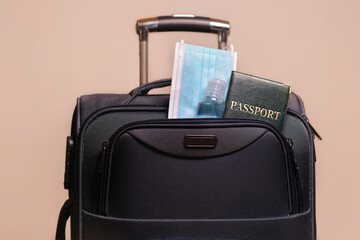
[177,22]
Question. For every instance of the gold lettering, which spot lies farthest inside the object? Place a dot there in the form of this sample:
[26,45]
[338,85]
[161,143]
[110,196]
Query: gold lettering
[246,109]
[255,110]
[251,109]
[263,112]
[277,115]
[270,114]
[239,108]
[233,104]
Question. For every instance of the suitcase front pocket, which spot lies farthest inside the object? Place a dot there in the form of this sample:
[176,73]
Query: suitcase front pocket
[197,169]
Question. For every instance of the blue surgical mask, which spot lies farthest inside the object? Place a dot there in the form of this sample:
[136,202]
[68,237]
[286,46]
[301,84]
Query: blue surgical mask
[194,66]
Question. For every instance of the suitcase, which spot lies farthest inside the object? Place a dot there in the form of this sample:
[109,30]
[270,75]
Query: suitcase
[131,173]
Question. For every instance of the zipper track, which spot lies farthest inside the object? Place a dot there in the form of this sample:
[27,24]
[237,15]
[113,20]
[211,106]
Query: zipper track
[312,158]
[78,197]
[291,171]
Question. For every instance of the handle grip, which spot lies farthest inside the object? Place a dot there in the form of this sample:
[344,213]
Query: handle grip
[177,22]
[142,90]
[183,22]
[193,24]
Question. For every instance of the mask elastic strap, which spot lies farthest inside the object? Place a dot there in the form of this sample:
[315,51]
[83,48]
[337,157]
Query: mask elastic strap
[229,46]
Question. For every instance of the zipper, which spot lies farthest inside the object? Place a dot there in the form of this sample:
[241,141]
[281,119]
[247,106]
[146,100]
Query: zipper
[312,158]
[105,147]
[291,146]
[101,168]
[296,178]
[81,133]
[287,145]
[314,132]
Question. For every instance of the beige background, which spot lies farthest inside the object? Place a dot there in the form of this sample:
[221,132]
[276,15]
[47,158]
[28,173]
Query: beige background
[51,52]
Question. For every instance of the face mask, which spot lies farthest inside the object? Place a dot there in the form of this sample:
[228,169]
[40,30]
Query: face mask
[194,67]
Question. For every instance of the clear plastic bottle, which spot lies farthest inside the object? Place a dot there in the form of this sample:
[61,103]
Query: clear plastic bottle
[212,104]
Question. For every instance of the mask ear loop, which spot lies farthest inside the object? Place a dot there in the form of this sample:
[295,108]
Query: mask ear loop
[230,46]
[235,54]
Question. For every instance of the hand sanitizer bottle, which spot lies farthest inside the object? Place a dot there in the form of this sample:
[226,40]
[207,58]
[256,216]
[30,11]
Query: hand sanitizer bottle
[212,104]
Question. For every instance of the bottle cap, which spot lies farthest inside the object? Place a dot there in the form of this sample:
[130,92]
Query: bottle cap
[216,88]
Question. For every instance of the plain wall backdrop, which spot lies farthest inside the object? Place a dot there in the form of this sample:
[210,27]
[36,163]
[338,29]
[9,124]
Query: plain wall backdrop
[51,52]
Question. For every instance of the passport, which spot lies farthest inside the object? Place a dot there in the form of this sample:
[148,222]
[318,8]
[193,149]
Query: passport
[252,97]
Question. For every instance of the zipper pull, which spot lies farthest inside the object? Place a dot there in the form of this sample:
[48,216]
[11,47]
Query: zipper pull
[291,145]
[315,133]
[105,146]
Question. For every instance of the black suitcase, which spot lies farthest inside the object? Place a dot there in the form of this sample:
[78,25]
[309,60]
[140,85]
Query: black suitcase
[132,173]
